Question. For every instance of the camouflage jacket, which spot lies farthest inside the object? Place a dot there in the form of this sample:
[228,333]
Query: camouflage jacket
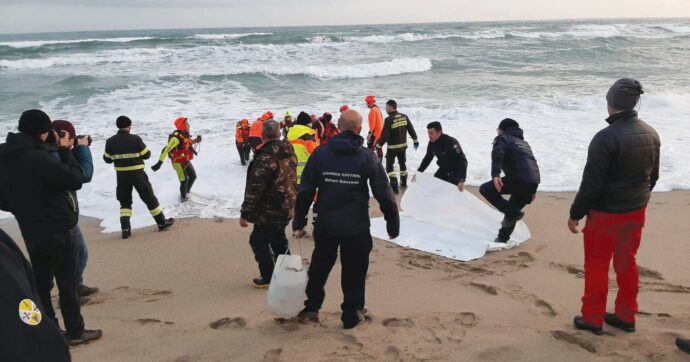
[271,190]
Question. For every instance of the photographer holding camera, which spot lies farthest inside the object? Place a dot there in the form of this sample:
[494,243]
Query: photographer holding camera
[82,153]
[36,187]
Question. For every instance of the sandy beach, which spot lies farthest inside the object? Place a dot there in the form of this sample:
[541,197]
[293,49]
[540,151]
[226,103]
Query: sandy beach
[184,295]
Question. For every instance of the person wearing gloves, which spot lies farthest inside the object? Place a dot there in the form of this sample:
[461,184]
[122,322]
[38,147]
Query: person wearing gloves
[180,150]
[395,130]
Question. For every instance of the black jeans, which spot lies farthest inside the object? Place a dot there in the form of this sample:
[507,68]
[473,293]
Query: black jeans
[401,156]
[268,241]
[63,265]
[521,194]
[354,257]
[448,176]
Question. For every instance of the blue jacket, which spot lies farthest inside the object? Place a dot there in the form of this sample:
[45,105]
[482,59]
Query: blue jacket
[340,171]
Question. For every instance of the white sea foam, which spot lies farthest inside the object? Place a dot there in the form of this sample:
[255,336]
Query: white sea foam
[227,36]
[38,43]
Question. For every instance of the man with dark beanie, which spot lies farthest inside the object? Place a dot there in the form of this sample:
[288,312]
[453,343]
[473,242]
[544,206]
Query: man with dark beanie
[512,155]
[127,152]
[35,187]
[621,171]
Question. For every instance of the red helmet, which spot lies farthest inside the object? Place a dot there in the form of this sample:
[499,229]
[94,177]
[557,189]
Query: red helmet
[370,100]
[344,108]
[244,122]
[180,124]
[270,114]
[265,117]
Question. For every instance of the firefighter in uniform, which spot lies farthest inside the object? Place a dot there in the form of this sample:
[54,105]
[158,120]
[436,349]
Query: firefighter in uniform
[395,130]
[180,151]
[128,152]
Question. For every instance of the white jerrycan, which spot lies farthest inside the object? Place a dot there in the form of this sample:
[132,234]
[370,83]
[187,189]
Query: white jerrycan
[288,283]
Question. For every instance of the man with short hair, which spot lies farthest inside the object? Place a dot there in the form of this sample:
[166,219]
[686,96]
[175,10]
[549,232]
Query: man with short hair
[127,152]
[269,200]
[395,130]
[621,171]
[512,155]
[340,172]
[35,187]
[451,161]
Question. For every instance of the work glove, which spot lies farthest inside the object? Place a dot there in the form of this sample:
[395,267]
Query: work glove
[416,146]
[157,166]
[198,139]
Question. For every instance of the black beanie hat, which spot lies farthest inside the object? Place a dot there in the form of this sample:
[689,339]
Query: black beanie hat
[303,118]
[507,123]
[34,122]
[624,94]
[327,117]
[123,122]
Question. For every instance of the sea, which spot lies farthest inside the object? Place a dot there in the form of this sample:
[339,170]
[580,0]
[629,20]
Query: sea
[550,76]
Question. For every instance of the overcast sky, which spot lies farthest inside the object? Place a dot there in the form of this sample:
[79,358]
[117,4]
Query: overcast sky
[27,16]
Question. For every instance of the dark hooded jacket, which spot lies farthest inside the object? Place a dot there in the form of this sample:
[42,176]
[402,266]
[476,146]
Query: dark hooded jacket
[271,189]
[340,171]
[622,167]
[26,332]
[33,185]
[513,155]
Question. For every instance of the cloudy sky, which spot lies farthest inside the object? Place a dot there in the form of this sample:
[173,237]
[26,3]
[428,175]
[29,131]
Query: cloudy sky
[21,16]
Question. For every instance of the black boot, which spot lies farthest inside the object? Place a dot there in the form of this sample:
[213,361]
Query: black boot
[126,227]
[394,185]
[613,320]
[162,222]
[580,324]
[403,182]
[683,345]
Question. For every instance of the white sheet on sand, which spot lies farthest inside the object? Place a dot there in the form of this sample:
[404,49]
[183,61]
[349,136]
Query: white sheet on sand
[438,219]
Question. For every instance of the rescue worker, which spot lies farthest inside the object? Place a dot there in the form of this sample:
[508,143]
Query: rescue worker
[375,125]
[344,108]
[286,124]
[621,172]
[242,140]
[325,129]
[303,140]
[255,132]
[395,130]
[128,152]
[269,200]
[451,161]
[513,155]
[342,172]
[180,150]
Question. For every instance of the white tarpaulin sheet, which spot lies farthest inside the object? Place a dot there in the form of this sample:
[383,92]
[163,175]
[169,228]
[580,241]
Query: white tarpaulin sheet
[438,219]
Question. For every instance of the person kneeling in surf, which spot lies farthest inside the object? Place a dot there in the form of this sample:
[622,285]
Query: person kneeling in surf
[180,150]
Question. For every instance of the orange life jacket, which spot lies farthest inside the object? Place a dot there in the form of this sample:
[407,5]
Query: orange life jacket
[183,152]
[257,129]
[241,134]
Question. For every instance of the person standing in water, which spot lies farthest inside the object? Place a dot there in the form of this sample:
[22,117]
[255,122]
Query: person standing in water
[242,140]
[180,150]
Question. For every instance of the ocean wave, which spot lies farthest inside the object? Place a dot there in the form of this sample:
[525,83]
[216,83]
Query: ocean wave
[370,70]
[40,43]
[109,56]
[413,37]
[226,36]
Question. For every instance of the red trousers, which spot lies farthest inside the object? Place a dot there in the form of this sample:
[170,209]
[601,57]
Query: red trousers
[607,236]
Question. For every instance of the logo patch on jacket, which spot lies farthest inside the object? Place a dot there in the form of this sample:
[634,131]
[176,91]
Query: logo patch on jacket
[29,313]
[456,147]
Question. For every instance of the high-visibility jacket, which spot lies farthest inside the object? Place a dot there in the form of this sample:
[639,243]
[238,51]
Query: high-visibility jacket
[257,129]
[304,141]
[241,134]
[375,126]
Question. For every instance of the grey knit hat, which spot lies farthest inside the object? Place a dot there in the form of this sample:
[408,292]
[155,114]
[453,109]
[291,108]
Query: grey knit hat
[624,94]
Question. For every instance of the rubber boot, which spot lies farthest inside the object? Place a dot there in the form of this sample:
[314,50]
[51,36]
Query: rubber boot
[126,227]
[394,185]
[403,182]
[183,191]
[162,222]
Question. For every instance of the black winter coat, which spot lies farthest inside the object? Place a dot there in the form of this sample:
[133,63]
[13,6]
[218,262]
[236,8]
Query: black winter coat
[513,155]
[340,171]
[622,167]
[450,158]
[33,185]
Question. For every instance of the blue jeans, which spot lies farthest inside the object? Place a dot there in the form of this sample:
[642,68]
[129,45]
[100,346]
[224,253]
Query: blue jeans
[83,253]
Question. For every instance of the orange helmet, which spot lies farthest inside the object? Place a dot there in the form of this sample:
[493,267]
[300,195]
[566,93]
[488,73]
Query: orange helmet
[269,114]
[244,123]
[264,117]
[180,124]
[370,100]
[344,108]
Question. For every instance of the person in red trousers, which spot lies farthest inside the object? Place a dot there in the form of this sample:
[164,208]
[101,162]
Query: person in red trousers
[622,169]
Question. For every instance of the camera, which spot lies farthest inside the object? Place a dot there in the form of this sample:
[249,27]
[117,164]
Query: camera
[81,137]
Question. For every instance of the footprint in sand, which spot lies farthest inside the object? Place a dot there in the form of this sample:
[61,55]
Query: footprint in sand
[570,269]
[398,323]
[486,288]
[229,323]
[500,353]
[545,308]
[392,353]
[649,273]
[574,339]
[467,319]
[272,355]
[349,340]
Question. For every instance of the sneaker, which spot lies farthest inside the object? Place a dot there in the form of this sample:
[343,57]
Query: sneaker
[352,320]
[126,233]
[307,315]
[85,291]
[509,222]
[260,283]
[85,337]
[613,320]
[166,224]
[580,324]
[683,345]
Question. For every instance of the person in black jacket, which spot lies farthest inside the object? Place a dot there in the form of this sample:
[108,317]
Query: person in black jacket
[340,171]
[452,164]
[395,130]
[27,335]
[621,171]
[512,155]
[36,187]
[128,152]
